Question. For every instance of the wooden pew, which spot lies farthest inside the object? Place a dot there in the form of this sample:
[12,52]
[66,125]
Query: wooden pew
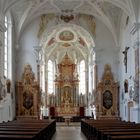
[109,130]
[27,129]
[124,137]
[107,135]
[18,137]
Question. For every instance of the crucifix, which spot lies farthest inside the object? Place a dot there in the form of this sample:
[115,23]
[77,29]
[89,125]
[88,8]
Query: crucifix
[125,57]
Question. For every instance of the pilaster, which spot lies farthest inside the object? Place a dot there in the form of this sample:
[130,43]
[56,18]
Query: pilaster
[2,30]
[135,31]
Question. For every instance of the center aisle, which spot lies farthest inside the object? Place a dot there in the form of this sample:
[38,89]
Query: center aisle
[68,133]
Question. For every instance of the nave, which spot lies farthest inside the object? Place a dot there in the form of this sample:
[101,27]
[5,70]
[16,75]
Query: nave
[68,133]
[66,62]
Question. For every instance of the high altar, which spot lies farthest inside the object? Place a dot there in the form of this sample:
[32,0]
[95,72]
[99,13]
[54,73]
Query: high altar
[67,100]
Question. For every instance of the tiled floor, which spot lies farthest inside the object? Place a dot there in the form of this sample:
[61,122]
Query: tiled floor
[68,133]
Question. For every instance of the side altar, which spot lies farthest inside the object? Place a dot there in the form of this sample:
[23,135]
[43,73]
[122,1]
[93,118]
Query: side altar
[107,101]
[27,96]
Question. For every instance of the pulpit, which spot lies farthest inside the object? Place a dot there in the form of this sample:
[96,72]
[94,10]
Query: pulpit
[27,96]
[107,96]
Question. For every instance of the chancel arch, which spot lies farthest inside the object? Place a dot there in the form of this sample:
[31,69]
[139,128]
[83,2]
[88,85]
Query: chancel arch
[68,52]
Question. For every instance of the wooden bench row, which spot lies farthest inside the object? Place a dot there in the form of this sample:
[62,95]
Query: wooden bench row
[27,130]
[110,130]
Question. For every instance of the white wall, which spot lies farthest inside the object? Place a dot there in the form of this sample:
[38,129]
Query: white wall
[105,47]
[129,39]
[7,104]
[106,50]
[25,52]
[6,111]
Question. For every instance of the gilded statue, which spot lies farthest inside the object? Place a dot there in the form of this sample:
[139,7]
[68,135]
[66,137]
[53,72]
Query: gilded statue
[107,73]
[28,75]
[66,98]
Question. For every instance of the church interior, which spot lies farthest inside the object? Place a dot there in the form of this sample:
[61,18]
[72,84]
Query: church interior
[69,62]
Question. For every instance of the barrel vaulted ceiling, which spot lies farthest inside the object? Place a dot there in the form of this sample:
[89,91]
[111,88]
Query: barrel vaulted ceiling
[107,11]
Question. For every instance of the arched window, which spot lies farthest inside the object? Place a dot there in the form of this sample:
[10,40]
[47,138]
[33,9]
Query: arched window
[94,72]
[50,77]
[82,77]
[7,47]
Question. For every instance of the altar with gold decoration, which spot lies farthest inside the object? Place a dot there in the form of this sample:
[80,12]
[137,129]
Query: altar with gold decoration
[27,95]
[66,99]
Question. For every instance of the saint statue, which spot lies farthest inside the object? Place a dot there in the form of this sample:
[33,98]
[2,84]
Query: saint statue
[28,75]
[66,97]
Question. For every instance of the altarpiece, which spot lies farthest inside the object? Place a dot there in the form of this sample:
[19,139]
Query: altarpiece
[107,101]
[67,101]
[27,95]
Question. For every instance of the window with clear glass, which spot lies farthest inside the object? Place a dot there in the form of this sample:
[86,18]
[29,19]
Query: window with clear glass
[82,77]
[50,77]
[7,47]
